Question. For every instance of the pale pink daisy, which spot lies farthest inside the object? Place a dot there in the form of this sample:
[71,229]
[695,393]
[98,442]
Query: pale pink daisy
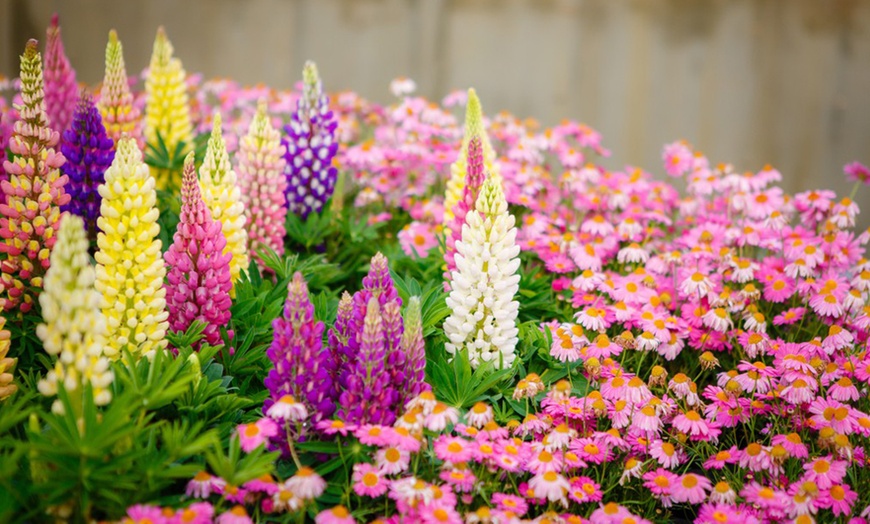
[551,486]
[440,417]
[479,415]
[368,480]
[666,454]
[374,435]
[202,485]
[513,503]
[287,409]
[335,515]
[236,515]
[306,484]
[392,460]
[661,484]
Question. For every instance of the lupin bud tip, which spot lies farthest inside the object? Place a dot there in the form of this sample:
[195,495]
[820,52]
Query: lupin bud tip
[113,37]
[32,48]
[55,21]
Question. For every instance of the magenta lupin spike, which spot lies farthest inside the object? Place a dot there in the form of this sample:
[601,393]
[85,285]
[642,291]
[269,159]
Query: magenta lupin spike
[198,281]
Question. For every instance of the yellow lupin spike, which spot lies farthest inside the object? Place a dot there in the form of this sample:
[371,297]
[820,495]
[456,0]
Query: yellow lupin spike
[166,108]
[222,196]
[7,364]
[130,267]
[116,107]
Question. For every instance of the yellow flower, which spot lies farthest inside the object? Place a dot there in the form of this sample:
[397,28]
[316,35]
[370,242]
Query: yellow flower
[456,183]
[166,107]
[7,365]
[221,194]
[130,267]
[74,330]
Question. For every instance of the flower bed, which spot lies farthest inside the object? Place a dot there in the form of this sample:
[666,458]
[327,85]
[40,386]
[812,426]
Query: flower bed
[234,304]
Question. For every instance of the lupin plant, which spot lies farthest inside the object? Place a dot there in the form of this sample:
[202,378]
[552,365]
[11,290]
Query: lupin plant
[5,135]
[167,114]
[88,152]
[368,337]
[198,282]
[303,369]
[74,328]
[31,215]
[263,183]
[414,349]
[475,175]
[485,281]
[310,146]
[222,197]
[61,90]
[7,363]
[130,267]
[120,116]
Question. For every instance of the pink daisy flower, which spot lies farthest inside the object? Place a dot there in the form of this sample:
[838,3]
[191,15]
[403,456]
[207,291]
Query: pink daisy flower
[203,485]
[857,172]
[254,435]
[825,471]
[196,513]
[336,515]
[839,498]
[661,484]
[723,457]
[691,488]
[512,503]
[306,484]
[375,435]
[392,460]
[287,409]
[368,481]
[236,515]
[551,486]
[666,454]
[460,479]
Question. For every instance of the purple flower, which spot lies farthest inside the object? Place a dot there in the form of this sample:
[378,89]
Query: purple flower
[303,368]
[310,147]
[89,152]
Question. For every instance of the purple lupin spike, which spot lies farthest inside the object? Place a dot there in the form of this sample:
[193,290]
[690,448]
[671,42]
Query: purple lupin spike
[303,368]
[310,147]
[89,152]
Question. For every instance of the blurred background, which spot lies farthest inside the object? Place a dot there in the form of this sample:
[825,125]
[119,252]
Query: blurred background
[750,82]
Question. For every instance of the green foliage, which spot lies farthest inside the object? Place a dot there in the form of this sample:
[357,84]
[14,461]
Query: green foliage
[231,465]
[454,381]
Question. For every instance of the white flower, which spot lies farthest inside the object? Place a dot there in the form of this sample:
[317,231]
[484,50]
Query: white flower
[485,281]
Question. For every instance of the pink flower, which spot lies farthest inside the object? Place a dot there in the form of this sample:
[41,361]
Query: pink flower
[336,515]
[203,485]
[460,479]
[253,435]
[512,503]
[237,515]
[695,426]
[142,514]
[375,435]
[825,471]
[417,239]
[392,460]
[857,172]
[661,484]
[789,316]
[551,486]
[691,488]
[677,158]
[368,481]
[666,453]
[584,489]
[453,449]
[722,513]
[196,513]
[306,484]
[839,498]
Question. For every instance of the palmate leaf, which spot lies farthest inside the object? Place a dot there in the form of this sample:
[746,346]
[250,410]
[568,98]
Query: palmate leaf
[454,381]
[152,383]
[433,306]
[237,468]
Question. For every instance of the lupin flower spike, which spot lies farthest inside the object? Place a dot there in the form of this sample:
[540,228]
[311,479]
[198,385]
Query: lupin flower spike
[34,192]
[7,364]
[88,152]
[263,183]
[369,397]
[310,148]
[485,282]
[303,368]
[475,176]
[5,135]
[414,348]
[120,116]
[61,90]
[198,283]
[221,194]
[74,331]
[130,267]
[166,106]
[458,170]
